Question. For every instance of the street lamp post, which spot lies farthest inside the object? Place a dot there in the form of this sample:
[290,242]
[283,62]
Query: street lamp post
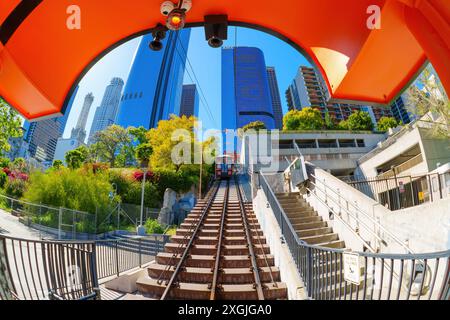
[141,229]
[201,174]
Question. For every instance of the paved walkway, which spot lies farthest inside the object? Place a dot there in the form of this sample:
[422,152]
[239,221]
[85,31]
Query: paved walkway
[10,226]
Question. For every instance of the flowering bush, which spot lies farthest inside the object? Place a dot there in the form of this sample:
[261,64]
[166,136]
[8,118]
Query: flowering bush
[15,187]
[150,176]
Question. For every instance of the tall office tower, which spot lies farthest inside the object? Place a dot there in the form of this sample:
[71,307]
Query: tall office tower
[153,89]
[309,90]
[245,88]
[79,132]
[42,137]
[276,100]
[63,120]
[399,110]
[189,101]
[106,113]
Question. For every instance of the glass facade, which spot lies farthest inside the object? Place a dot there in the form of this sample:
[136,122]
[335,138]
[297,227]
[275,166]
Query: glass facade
[189,101]
[106,113]
[154,87]
[276,100]
[245,88]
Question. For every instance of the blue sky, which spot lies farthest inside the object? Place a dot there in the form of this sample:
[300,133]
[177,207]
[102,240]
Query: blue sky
[206,64]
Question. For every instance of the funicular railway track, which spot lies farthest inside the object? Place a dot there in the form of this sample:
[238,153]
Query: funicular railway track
[218,253]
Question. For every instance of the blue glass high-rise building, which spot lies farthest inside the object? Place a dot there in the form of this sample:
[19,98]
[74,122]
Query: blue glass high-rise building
[190,102]
[245,88]
[154,86]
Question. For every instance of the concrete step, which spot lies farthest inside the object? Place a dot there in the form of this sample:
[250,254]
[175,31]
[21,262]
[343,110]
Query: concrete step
[202,291]
[212,249]
[337,244]
[310,225]
[205,275]
[208,261]
[300,220]
[320,238]
[314,232]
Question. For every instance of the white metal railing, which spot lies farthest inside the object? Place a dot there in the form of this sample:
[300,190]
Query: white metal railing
[376,224]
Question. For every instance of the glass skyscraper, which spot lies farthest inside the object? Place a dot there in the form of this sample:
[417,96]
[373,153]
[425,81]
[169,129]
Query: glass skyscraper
[245,88]
[276,100]
[154,87]
[189,101]
[106,113]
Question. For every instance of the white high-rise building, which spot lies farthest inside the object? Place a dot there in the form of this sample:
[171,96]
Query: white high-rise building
[79,132]
[106,113]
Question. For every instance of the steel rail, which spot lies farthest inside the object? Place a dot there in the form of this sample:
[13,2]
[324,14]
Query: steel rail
[255,269]
[219,244]
[188,247]
[183,241]
[260,243]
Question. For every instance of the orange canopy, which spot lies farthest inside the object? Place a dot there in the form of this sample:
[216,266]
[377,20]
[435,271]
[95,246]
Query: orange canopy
[41,60]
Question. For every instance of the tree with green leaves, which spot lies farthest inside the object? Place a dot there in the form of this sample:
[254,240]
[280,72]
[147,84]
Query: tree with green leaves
[329,122]
[306,119]
[139,134]
[143,153]
[430,99]
[9,126]
[108,144]
[386,123]
[57,164]
[358,121]
[75,158]
[164,144]
[255,125]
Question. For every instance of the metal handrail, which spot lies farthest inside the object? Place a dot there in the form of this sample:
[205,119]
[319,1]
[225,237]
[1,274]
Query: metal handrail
[364,213]
[309,259]
[347,225]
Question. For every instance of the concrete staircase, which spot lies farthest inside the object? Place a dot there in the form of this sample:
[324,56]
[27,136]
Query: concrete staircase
[309,226]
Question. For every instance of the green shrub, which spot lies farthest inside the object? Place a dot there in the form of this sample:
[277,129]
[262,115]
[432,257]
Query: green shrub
[15,187]
[153,226]
[152,198]
[73,189]
[4,162]
[3,179]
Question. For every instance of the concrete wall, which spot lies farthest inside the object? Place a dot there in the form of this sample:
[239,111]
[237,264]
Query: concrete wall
[282,255]
[424,228]
[433,150]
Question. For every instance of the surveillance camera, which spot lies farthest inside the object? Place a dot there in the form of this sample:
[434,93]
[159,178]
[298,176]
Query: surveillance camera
[187,5]
[215,42]
[158,34]
[156,45]
[167,7]
[216,30]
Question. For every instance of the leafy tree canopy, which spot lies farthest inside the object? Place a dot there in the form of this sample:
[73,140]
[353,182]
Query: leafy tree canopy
[109,143]
[166,140]
[386,123]
[305,119]
[9,126]
[75,158]
[358,121]
[430,98]
[256,125]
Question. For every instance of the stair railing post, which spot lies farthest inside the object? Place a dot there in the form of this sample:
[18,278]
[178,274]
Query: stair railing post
[309,273]
[140,253]
[117,257]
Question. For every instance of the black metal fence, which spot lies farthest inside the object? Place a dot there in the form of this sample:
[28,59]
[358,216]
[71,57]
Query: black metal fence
[42,270]
[117,256]
[403,192]
[380,276]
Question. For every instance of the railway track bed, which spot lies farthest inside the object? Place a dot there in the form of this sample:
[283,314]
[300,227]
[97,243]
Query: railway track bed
[218,253]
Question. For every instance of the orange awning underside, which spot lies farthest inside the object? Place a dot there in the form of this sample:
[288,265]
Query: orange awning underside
[43,60]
